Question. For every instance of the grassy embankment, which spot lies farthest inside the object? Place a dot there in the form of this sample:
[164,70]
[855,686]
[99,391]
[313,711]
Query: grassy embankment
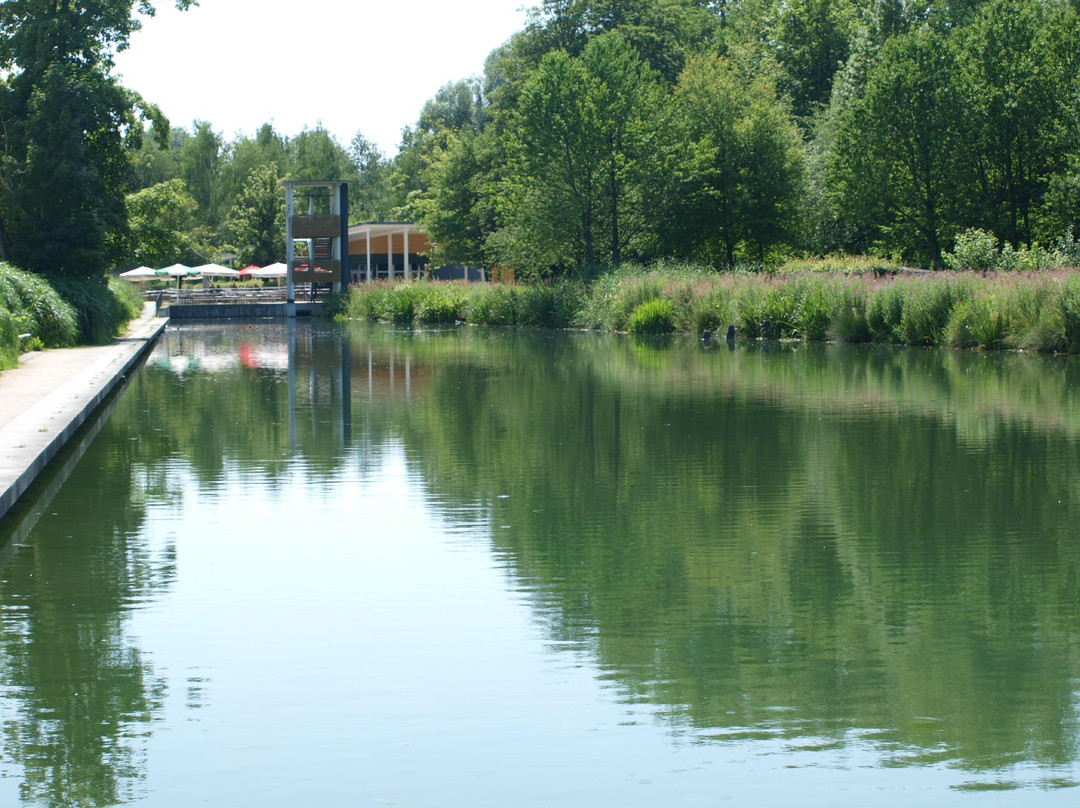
[850,300]
[35,314]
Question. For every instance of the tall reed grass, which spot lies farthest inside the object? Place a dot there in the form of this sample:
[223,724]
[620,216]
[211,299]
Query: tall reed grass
[850,301]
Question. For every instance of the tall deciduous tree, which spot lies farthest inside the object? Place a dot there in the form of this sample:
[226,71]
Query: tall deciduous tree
[1019,76]
[200,168]
[257,221]
[161,219]
[585,146]
[897,158]
[738,182]
[64,174]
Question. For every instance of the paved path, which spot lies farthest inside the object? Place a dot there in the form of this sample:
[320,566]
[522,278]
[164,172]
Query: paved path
[51,394]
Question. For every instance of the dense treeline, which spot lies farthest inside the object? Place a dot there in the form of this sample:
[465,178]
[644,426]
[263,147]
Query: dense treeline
[720,132]
[742,130]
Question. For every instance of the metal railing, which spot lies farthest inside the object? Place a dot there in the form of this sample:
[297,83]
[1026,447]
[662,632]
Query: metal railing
[217,296]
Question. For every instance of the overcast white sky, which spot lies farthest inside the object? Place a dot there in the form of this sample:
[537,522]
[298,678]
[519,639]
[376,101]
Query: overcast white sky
[241,63]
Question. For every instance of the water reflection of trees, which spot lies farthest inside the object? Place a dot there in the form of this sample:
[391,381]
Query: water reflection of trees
[83,690]
[727,539]
[713,528]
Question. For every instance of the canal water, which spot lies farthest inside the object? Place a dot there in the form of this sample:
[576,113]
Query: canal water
[357,566]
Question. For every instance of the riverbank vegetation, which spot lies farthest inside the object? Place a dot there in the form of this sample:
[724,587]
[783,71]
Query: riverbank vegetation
[872,302]
[36,314]
[627,133]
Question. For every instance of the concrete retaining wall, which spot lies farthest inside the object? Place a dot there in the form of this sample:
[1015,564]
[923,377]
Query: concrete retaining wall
[239,311]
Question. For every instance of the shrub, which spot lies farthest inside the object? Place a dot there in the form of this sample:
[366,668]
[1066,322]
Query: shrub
[815,305]
[366,302]
[630,293]
[655,316]
[9,339]
[974,249]
[849,322]
[440,304]
[1034,321]
[749,309]
[1068,304]
[977,323]
[36,308]
[547,306]
[926,309]
[884,310]
[130,297]
[399,305]
[100,312]
[712,310]
[492,305]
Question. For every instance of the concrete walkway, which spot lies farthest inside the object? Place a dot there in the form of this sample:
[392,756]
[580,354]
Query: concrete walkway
[52,393]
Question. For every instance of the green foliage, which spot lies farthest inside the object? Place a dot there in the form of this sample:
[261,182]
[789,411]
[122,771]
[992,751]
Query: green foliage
[34,307]
[1029,311]
[815,304]
[257,220]
[898,144]
[10,347]
[884,309]
[129,296]
[711,310]
[493,305]
[101,312]
[976,323]
[160,220]
[547,305]
[741,167]
[583,152]
[653,317]
[974,249]
[367,302]
[68,124]
[926,310]
[399,305]
[839,265]
[1068,304]
[439,304]
[850,322]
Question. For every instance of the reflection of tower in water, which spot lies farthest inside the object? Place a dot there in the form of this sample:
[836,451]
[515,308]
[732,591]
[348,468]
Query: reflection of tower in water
[327,386]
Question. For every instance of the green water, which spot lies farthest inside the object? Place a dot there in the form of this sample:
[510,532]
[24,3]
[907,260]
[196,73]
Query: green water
[353,567]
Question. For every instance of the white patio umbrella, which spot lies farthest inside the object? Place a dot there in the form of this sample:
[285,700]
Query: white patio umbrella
[139,274]
[272,271]
[216,271]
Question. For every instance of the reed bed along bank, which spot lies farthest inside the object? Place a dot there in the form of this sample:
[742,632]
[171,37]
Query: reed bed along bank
[874,302]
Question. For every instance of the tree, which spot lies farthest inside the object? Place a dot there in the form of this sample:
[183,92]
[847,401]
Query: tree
[1019,74]
[897,158]
[316,155]
[257,221]
[740,174]
[369,195]
[456,207]
[812,42]
[200,168]
[161,219]
[64,174]
[583,148]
